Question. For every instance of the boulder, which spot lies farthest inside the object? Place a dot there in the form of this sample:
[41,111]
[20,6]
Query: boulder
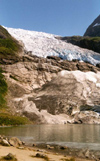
[4,142]
[15,142]
[40,155]
[50,147]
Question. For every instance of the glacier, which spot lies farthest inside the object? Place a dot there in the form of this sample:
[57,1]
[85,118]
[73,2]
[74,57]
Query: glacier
[44,44]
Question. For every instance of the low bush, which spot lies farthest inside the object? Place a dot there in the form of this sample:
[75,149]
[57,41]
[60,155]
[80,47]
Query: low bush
[3,89]
[9,119]
[9,157]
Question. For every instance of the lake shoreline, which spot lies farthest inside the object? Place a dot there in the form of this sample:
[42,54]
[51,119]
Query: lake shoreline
[19,149]
[31,153]
[83,153]
[46,138]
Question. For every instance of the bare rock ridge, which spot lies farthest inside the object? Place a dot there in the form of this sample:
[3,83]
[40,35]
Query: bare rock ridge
[53,90]
[94,29]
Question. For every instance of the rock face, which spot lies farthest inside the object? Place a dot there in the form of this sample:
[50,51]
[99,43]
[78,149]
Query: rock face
[68,93]
[94,29]
[45,91]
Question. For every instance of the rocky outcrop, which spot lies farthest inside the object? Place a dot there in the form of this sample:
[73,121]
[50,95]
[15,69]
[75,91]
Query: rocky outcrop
[40,89]
[94,29]
[68,93]
[15,142]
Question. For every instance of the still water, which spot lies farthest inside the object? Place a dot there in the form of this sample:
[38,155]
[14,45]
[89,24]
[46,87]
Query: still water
[72,135]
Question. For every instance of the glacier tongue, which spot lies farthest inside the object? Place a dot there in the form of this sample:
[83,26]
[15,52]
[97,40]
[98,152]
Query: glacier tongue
[43,45]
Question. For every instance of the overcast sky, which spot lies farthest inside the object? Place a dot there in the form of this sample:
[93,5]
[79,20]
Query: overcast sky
[60,17]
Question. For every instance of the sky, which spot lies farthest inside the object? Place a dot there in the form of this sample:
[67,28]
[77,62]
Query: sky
[59,17]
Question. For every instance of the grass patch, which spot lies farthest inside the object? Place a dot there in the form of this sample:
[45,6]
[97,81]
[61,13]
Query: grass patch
[78,38]
[9,119]
[39,155]
[3,89]
[9,157]
[93,38]
[4,33]
[91,43]
[8,45]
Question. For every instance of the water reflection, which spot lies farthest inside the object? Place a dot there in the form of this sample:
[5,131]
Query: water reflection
[55,133]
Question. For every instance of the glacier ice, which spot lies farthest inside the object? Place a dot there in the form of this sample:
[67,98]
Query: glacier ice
[44,44]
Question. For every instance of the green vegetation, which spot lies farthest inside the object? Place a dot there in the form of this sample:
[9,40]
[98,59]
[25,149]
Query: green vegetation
[92,43]
[9,119]
[13,77]
[8,45]
[3,89]
[9,157]
[78,38]
[94,38]
[5,117]
[8,51]
[39,155]
[4,33]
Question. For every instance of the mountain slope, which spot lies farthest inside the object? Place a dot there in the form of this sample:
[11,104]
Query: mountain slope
[9,47]
[91,38]
[43,44]
[91,43]
[94,29]
[44,90]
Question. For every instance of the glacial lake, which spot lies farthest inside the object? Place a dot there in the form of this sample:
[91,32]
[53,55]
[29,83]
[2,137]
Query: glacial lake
[71,135]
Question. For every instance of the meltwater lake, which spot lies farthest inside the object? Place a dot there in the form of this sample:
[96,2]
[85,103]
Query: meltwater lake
[71,135]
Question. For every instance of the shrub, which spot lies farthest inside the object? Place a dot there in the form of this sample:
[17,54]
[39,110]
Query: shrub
[9,119]
[3,89]
[9,157]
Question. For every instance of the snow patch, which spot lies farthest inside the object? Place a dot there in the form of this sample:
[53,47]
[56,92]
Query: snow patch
[91,77]
[98,85]
[83,76]
[97,24]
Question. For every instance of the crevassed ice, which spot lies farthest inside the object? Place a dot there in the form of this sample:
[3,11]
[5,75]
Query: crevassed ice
[44,44]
